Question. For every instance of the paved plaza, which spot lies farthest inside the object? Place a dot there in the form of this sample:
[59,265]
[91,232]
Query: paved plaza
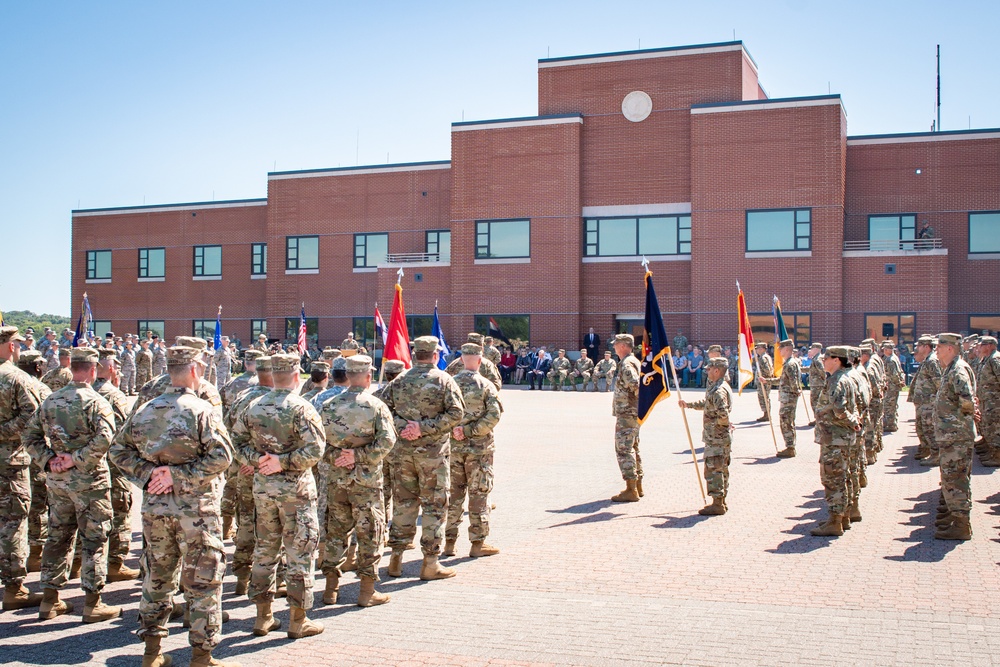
[583,581]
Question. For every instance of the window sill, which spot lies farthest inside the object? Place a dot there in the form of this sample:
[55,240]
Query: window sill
[301,272]
[972,256]
[635,259]
[504,260]
[258,276]
[365,269]
[206,277]
[98,281]
[158,279]
[776,254]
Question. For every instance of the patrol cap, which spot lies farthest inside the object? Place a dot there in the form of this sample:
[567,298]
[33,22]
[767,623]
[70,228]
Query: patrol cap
[888,343]
[867,346]
[625,338]
[9,335]
[987,340]
[818,346]
[264,364]
[179,355]
[358,363]
[927,339]
[607,353]
[262,337]
[391,366]
[105,353]
[471,348]
[973,337]
[284,363]
[474,337]
[949,339]
[192,341]
[785,343]
[339,364]
[841,351]
[718,362]
[30,356]
[562,351]
[331,353]
[429,343]
[252,355]
[320,365]
[852,352]
[84,354]
[67,330]
[715,348]
[65,352]
[488,339]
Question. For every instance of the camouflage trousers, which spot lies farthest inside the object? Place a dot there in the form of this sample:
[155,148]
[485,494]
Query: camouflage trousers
[357,508]
[229,492]
[160,367]
[627,446]
[764,397]
[222,375]
[833,456]
[387,489]
[717,458]
[874,445]
[285,504]
[245,539]
[141,378]
[127,384]
[856,464]
[472,474]
[989,427]
[321,474]
[890,402]
[813,401]
[585,377]
[120,538]
[187,550]
[421,481]
[602,382]
[925,427]
[786,418]
[77,502]
[956,471]
[15,499]
[558,379]
[38,515]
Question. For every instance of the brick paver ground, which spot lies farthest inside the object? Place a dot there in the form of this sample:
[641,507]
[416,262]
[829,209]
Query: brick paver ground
[585,581]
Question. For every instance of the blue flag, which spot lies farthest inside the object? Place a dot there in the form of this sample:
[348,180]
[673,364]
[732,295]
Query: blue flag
[442,348]
[84,323]
[218,329]
[654,385]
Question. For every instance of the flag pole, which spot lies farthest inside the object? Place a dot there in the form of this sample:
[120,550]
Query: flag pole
[687,429]
[767,400]
[805,403]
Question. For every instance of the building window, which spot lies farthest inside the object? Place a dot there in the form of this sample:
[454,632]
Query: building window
[798,325]
[258,259]
[101,327]
[257,327]
[156,326]
[203,329]
[891,232]
[900,328]
[370,250]
[208,260]
[517,328]
[98,265]
[420,325]
[508,239]
[984,232]
[632,237]
[301,252]
[987,325]
[292,329]
[151,262]
[364,332]
[779,230]
[438,244]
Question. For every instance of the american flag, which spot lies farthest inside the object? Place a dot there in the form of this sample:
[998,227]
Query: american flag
[302,330]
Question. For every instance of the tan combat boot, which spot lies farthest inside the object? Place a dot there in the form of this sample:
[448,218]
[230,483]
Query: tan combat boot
[203,658]
[368,596]
[227,528]
[854,512]
[16,596]
[932,461]
[35,558]
[74,570]
[863,479]
[960,529]
[332,588]
[629,495]
[432,570]
[351,562]
[787,453]
[121,572]
[265,619]
[991,459]
[449,547]
[943,520]
[834,527]
[95,611]
[638,487]
[923,452]
[481,549]
[299,626]
[242,580]
[717,508]
[152,657]
[52,606]
[395,568]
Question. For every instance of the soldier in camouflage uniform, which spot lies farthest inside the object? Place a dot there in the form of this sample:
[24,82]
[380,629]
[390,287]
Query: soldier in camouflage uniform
[261,344]
[789,389]
[876,370]
[895,380]
[837,426]
[956,410]
[52,356]
[680,342]
[32,363]
[223,362]
[487,369]
[143,364]
[120,538]
[716,434]
[349,343]
[625,408]
[559,373]
[817,377]
[241,382]
[604,373]
[281,434]
[319,377]
[207,356]
[228,393]
[923,391]
[128,369]
[69,438]
[391,370]
[472,456]
[426,405]
[764,367]
[857,477]
[19,400]
[583,368]
[490,351]
[175,448]
[159,352]
[205,391]
[59,377]
[988,383]
[360,434]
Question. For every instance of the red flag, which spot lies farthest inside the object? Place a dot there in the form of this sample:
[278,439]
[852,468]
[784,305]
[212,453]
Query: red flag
[745,345]
[397,344]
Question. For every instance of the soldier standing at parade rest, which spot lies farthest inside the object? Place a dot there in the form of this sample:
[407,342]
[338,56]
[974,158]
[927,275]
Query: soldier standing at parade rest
[176,448]
[487,369]
[988,391]
[32,363]
[625,408]
[69,438]
[895,379]
[817,377]
[143,364]
[319,377]
[789,388]
[765,376]
[923,391]
[128,367]
[426,405]
[391,370]
[490,351]
[604,373]
[956,410]
[159,351]
[717,434]
[857,478]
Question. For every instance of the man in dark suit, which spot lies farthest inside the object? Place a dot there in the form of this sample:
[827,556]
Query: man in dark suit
[592,342]
[539,368]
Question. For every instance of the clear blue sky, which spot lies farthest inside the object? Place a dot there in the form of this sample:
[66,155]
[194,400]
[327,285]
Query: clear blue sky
[125,103]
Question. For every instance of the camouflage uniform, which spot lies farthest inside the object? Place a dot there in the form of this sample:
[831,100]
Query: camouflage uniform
[487,369]
[625,407]
[954,430]
[349,344]
[57,378]
[718,439]
[491,353]
[894,379]
[155,387]
[764,380]
[127,384]
[159,360]
[120,539]
[181,529]
[18,402]
[583,369]
[223,363]
[431,398]
[234,388]
[789,388]
[873,436]
[604,374]
[817,380]
[924,389]
[38,515]
[361,422]
[246,532]
[322,470]
[75,420]
[559,372]
[680,342]
[836,433]
[988,391]
[283,424]
[856,459]
[143,367]
[472,457]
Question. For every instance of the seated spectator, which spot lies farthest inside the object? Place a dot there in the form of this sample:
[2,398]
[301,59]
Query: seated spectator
[521,366]
[539,368]
[507,363]
[680,364]
[694,369]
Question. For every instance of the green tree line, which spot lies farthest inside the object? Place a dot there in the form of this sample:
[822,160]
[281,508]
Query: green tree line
[22,319]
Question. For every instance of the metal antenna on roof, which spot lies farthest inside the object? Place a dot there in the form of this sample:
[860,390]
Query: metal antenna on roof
[939,88]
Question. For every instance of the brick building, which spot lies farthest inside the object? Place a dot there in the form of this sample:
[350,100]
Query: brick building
[675,154]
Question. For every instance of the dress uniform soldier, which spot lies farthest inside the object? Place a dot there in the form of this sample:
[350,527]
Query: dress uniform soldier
[789,388]
[604,373]
[716,434]
[625,408]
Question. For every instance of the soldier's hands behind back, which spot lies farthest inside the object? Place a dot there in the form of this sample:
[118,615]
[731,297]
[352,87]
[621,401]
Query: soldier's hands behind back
[345,460]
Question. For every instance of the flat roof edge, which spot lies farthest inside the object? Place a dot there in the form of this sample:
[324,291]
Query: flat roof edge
[396,166]
[229,203]
[635,54]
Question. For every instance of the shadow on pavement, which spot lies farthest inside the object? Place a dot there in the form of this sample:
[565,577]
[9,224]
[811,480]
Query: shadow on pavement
[924,548]
[689,521]
[803,542]
[757,461]
[593,518]
[906,464]
[584,508]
